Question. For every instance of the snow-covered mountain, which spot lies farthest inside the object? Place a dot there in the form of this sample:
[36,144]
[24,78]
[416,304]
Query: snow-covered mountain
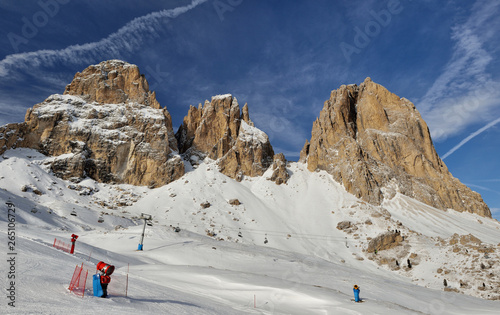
[307,265]
[237,229]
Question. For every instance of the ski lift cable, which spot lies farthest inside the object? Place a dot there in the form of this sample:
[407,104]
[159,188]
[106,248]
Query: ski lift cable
[271,233]
[278,234]
[294,235]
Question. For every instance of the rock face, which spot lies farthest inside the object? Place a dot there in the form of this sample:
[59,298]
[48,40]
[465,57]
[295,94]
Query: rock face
[112,82]
[11,136]
[384,241]
[221,132]
[107,126]
[280,174]
[376,144]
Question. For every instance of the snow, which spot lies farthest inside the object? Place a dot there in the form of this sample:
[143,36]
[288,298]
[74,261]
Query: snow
[386,134]
[114,63]
[251,134]
[221,96]
[433,222]
[83,117]
[308,266]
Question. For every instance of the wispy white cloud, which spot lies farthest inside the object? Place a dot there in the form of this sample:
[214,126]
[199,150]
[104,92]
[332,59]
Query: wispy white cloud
[128,38]
[465,93]
[470,137]
[8,116]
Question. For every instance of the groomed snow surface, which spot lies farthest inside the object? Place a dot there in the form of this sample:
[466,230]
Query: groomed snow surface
[307,266]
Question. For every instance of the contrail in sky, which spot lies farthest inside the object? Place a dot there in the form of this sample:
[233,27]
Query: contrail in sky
[129,37]
[470,137]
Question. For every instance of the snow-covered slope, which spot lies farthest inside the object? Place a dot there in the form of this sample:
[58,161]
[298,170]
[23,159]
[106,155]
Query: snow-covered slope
[307,265]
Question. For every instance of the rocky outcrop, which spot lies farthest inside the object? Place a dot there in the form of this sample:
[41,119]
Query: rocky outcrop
[107,126]
[112,82]
[219,130]
[11,136]
[384,241]
[280,174]
[376,144]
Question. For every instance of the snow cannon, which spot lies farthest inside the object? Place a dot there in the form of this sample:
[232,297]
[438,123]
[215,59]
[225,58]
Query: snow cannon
[107,269]
[73,240]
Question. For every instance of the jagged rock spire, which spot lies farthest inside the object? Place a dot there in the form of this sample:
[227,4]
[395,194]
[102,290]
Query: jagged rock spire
[220,131]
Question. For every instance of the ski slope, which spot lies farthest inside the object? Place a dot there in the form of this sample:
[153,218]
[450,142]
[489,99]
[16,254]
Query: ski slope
[308,266]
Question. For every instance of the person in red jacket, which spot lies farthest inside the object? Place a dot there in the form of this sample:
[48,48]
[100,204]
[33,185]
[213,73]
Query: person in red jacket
[105,280]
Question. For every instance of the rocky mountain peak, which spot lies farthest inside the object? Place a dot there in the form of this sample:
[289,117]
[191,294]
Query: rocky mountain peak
[220,131]
[376,144]
[106,126]
[112,82]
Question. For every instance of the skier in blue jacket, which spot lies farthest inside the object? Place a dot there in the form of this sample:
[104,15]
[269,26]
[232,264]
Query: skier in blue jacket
[356,293]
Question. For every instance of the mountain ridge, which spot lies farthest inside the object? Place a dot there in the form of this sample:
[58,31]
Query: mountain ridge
[373,142]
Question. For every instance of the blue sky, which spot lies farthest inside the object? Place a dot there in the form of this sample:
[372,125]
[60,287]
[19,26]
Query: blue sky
[281,57]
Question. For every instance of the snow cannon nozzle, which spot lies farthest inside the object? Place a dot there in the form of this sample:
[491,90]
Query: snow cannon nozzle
[105,268]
